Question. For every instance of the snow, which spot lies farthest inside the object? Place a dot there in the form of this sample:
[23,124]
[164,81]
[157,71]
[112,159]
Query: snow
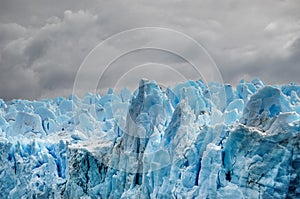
[184,142]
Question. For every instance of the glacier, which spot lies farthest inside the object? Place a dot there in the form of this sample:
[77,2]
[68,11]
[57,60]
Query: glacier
[154,143]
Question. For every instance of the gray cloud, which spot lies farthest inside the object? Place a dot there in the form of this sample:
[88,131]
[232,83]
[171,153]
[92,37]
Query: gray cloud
[42,44]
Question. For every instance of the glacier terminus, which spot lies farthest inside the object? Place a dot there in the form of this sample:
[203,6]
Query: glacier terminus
[181,142]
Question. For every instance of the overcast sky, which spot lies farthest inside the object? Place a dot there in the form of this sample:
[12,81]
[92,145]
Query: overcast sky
[43,43]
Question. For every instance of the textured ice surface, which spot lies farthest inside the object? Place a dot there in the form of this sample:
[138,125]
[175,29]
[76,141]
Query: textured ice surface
[176,143]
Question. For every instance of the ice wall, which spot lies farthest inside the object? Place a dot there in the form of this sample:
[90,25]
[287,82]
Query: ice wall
[176,143]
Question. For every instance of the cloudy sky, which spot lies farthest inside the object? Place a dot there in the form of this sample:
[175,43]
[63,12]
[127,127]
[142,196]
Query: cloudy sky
[43,43]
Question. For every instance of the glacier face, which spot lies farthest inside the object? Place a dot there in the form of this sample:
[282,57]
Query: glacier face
[175,143]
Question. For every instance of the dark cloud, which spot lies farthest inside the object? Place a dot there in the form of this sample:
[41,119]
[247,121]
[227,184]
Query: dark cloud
[43,43]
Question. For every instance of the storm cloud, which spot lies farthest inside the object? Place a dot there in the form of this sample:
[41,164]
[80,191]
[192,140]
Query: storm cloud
[43,43]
